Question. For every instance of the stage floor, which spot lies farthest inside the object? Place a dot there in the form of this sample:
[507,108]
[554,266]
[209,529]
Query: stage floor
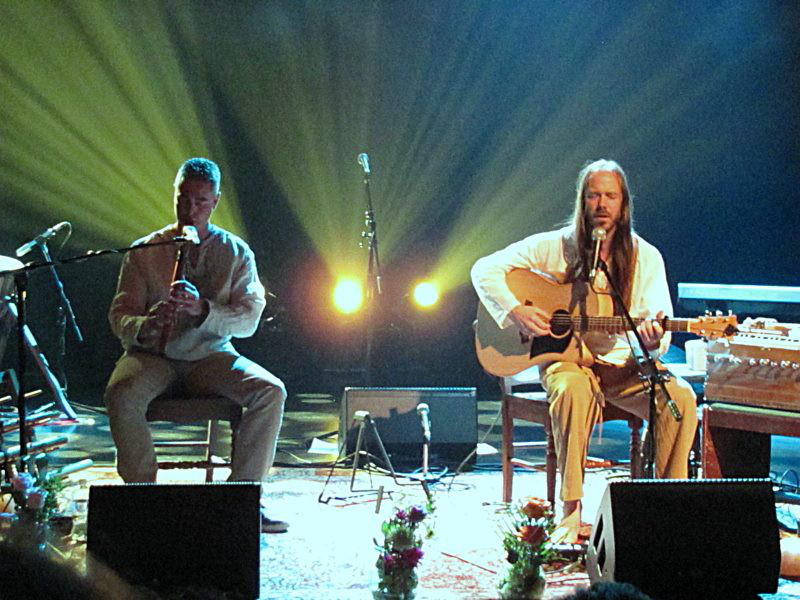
[329,550]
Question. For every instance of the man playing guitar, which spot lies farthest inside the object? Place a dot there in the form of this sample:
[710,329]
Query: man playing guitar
[598,365]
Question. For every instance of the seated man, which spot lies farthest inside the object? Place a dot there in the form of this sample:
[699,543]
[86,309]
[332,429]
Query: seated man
[603,368]
[178,334]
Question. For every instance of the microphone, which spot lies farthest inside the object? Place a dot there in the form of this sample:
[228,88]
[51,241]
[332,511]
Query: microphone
[42,237]
[189,235]
[598,235]
[423,411]
[363,160]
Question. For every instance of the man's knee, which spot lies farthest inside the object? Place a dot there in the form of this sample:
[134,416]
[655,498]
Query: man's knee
[569,391]
[272,391]
[684,398]
[126,395]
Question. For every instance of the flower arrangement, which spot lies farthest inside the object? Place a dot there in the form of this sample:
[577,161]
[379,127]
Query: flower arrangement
[401,551]
[35,502]
[36,499]
[526,540]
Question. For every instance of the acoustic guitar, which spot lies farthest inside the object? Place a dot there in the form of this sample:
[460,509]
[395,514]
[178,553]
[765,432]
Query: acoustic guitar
[573,307]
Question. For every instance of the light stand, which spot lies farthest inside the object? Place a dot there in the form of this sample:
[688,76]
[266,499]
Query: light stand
[649,373]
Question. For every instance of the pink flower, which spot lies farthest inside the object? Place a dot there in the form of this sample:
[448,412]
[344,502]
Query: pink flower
[36,498]
[22,482]
[401,515]
[416,515]
[388,562]
[410,557]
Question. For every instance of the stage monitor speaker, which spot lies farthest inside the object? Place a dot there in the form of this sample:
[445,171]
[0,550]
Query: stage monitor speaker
[715,538]
[453,417]
[176,535]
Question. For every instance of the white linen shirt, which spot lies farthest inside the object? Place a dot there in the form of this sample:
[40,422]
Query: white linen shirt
[225,274]
[545,252]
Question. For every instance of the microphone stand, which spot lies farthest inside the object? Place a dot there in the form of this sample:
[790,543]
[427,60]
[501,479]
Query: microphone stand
[65,313]
[373,278]
[648,372]
[426,443]
[20,282]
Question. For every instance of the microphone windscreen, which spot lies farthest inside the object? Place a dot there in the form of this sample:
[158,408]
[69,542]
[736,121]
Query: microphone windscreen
[190,233]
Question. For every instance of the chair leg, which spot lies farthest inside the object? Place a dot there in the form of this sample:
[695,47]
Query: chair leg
[212,433]
[636,450]
[551,464]
[507,450]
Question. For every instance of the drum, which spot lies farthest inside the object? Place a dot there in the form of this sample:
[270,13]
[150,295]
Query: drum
[7,281]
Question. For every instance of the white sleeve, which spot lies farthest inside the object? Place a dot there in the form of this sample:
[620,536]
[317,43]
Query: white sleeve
[489,276]
[652,292]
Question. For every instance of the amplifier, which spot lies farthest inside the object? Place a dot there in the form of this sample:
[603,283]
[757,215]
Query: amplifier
[453,416]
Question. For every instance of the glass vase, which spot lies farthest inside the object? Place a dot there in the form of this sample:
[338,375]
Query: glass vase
[531,588]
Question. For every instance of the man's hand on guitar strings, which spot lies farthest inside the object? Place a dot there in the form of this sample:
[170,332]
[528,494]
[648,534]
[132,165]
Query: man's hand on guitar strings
[530,320]
[651,331]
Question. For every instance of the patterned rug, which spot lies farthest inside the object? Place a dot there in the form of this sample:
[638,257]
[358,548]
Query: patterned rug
[329,551]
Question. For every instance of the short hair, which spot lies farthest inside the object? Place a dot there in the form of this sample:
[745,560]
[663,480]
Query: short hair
[200,168]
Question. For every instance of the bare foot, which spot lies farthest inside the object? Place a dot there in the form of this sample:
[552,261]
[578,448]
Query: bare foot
[568,530]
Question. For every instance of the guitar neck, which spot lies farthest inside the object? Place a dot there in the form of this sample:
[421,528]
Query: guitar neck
[618,324]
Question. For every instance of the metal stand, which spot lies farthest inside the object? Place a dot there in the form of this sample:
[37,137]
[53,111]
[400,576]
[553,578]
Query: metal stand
[364,420]
[370,234]
[25,338]
[65,314]
[365,426]
[425,450]
[9,313]
[650,374]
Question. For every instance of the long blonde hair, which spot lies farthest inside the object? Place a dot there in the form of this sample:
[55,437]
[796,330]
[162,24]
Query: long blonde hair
[623,253]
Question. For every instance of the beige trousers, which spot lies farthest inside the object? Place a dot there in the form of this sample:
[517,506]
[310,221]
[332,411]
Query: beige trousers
[139,377]
[576,395]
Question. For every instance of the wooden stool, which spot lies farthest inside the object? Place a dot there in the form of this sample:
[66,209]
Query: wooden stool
[211,409]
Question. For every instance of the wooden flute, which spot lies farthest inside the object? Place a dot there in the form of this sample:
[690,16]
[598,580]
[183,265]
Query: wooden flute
[178,273]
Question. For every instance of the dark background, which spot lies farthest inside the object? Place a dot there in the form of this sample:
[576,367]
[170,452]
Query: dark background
[697,100]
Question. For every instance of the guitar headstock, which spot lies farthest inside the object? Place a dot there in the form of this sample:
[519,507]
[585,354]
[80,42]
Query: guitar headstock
[716,326]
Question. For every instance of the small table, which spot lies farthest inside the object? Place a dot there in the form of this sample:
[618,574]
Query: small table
[736,438]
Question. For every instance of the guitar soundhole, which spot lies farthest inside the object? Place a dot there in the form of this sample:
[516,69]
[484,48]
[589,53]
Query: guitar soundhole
[560,323]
